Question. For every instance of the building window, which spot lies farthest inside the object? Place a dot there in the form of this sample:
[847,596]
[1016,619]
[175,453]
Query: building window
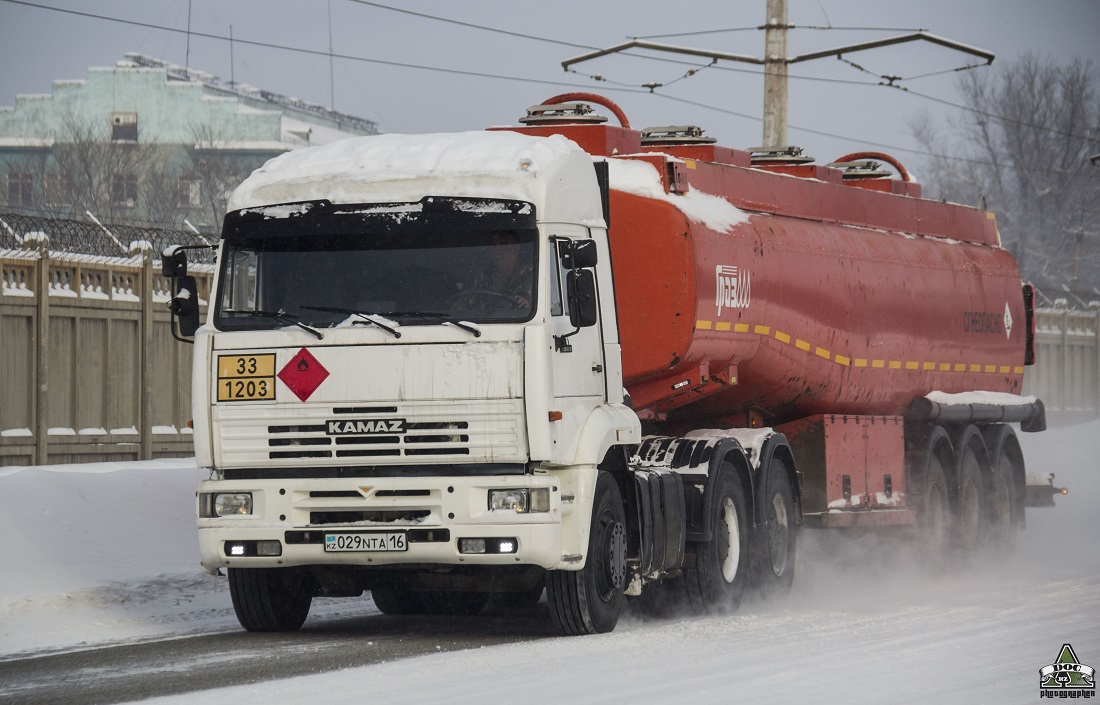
[124,127]
[57,190]
[188,193]
[20,188]
[124,190]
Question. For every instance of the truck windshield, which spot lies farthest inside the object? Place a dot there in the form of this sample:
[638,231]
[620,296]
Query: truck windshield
[422,263]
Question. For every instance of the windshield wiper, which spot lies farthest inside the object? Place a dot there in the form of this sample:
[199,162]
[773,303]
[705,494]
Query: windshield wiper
[287,318]
[444,319]
[372,318]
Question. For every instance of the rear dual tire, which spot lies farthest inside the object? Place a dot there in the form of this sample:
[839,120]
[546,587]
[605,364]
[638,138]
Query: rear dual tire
[779,544]
[719,576]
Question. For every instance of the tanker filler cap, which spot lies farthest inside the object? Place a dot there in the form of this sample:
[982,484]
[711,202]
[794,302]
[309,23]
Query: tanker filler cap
[675,135]
[778,155]
[865,169]
[561,113]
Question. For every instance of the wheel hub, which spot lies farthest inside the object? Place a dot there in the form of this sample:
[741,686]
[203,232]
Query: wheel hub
[778,535]
[732,536]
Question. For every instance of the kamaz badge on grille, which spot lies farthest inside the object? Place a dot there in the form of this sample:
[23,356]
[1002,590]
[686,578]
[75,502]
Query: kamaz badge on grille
[364,427]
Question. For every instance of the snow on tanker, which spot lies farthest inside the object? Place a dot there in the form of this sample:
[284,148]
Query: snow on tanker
[605,362]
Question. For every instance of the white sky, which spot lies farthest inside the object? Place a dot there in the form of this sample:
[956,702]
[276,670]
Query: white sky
[38,46]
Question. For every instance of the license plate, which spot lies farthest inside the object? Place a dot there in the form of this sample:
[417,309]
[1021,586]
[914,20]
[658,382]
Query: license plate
[390,541]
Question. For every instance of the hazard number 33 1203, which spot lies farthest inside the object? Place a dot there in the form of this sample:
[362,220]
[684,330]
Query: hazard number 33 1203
[246,377]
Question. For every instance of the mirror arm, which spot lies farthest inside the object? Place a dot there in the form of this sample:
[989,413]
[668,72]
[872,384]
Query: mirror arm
[561,342]
[177,335]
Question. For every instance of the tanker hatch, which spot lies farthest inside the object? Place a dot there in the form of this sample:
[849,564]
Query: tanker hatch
[562,114]
[778,155]
[675,135]
[868,169]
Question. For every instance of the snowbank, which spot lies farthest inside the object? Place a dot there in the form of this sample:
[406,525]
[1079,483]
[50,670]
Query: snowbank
[106,552]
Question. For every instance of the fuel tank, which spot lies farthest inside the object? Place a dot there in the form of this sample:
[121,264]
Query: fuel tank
[762,291]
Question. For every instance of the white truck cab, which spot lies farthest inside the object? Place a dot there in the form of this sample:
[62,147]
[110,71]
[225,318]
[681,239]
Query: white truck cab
[408,375]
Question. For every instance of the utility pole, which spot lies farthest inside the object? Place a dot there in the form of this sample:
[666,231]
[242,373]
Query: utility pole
[331,80]
[187,55]
[776,62]
[775,74]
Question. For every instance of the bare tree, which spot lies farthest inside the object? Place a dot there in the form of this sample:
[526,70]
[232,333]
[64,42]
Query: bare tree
[117,180]
[219,168]
[124,179]
[1022,149]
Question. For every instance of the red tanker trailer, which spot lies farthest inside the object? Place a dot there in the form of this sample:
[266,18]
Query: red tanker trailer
[833,308]
[605,361]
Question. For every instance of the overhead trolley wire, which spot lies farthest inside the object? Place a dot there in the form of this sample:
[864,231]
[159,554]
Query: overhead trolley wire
[621,88]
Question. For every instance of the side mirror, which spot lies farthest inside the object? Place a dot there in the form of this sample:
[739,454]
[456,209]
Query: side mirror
[581,285]
[580,255]
[184,306]
[173,261]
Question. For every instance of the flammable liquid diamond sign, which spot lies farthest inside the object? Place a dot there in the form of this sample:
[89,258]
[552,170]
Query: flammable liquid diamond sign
[303,374]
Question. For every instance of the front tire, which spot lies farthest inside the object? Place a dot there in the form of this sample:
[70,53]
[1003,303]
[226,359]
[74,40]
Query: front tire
[590,600]
[271,599]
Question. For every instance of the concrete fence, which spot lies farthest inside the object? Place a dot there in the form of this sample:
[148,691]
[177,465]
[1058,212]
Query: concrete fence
[1066,375]
[89,370]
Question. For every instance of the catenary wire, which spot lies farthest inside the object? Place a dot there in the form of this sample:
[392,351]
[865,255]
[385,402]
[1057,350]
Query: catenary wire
[521,79]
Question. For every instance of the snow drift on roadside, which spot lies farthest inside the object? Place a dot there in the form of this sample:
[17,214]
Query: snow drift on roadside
[107,552]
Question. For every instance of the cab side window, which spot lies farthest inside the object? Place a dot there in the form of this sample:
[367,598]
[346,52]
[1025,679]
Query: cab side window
[559,303]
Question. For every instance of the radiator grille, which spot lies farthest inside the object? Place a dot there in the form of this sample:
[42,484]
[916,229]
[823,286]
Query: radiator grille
[461,432]
[420,439]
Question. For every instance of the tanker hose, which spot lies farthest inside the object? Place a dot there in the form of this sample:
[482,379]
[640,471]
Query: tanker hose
[592,98]
[880,156]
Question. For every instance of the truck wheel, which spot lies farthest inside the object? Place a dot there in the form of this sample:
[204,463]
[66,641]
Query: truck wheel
[397,602]
[934,513]
[718,578]
[779,545]
[590,600]
[270,599]
[970,506]
[1002,501]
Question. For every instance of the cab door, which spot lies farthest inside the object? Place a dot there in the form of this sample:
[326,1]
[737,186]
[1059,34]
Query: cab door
[578,356]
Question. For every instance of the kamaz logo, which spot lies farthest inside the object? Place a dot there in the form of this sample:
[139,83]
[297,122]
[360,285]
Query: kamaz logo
[733,287]
[364,427]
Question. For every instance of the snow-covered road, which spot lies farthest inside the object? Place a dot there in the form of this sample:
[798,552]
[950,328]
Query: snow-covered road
[106,553]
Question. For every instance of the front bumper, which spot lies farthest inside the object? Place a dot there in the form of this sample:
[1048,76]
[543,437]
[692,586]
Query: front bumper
[433,514]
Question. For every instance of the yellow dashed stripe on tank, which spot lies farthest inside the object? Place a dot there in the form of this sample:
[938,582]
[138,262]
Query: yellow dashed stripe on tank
[861,362]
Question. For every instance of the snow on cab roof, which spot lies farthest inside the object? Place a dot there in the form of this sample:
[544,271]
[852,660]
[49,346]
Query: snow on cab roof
[395,167]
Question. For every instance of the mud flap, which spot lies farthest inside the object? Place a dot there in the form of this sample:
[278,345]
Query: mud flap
[661,516]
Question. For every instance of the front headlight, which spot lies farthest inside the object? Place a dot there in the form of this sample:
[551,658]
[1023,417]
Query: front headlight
[232,504]
[520,501]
